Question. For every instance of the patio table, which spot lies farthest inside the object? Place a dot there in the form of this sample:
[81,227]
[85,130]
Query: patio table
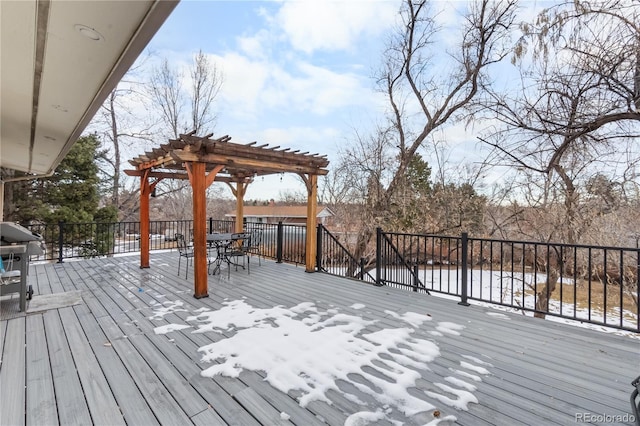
[220,242]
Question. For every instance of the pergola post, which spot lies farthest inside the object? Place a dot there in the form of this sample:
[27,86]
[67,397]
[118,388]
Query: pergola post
[145,193]
[312,207]
[146,188]
[200,181]
[239,193]
[198,185]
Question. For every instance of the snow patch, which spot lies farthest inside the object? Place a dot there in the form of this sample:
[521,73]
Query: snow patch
[164,329]
[309,350]
[449,328]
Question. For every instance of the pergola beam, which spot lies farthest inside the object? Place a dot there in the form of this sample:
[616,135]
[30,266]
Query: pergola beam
[268,165]
[182,176]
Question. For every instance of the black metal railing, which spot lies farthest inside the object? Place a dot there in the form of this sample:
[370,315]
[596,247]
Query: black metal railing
[598,285]
[592,284]
[279,241]
[335,259]
[85,240]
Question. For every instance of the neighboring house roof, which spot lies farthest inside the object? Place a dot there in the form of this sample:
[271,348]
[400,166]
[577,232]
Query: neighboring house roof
[281,211]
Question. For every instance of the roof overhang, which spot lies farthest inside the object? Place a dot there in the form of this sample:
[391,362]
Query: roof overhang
[60,60]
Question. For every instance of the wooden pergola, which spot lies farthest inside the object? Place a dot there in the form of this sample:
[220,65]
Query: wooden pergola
[202,161]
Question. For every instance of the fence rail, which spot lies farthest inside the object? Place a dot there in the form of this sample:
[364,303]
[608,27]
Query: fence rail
[598,285]
[592,284]
[279,241]
[335,259]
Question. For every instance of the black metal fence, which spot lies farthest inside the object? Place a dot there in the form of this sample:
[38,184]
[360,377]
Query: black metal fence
[598,285]
[334,258]
[279,241]
[282,242]
[592,284]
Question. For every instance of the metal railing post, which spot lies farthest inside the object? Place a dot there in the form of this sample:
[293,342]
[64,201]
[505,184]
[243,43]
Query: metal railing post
[361,277]
[464,274]
[279,241]
[415,277]
[211,225]
[319,247]
[378,255]
[60,240]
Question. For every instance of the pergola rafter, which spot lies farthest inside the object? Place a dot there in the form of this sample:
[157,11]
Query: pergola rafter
[203,161]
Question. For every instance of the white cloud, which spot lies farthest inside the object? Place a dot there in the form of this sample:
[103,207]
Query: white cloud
[333,25]
[244,80]
[253,86]
[257,45]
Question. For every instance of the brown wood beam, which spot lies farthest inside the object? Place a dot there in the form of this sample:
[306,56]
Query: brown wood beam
[146,188]
[198,184]
[145,193]
[311,182]
[250,163]
[241,189]
[200,180]
[177,175]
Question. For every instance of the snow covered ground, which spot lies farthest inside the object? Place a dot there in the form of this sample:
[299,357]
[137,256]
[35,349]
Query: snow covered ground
[309,351]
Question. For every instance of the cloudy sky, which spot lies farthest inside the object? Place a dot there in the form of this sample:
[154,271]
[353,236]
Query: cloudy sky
[296,73]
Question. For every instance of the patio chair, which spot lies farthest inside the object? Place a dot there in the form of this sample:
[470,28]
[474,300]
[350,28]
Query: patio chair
[238,248]
[255,244]
[185,251]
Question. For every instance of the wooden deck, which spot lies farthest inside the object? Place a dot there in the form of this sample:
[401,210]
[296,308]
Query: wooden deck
[91,356]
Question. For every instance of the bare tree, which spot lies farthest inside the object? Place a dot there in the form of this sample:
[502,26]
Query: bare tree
[184,110]
[184,103]
[121,123]
[425,94]
[123,127]
[165,87]
[575,110]
[206,81]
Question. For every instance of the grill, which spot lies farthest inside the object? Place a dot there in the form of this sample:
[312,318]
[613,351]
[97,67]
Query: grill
[17,243]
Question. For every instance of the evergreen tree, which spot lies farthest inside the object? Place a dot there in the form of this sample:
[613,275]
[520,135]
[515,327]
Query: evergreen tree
[69,195]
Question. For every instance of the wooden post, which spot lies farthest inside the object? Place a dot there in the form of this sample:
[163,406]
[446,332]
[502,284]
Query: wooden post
[240,189]
[200,181]
[197,177]
[146,188]
[145,193]
[312,207]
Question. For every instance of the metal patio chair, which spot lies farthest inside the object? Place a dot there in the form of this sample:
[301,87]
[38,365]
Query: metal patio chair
[255,244]
[238,248]
[185,251]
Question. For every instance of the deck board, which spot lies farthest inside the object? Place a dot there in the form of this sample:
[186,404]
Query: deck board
[101,362]
[156,395]
[12,377]
[131,402]
[100,400]
[70,398]
[40,394]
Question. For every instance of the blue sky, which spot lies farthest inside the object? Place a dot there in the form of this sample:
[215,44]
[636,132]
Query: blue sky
[299,73]
[296,74]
